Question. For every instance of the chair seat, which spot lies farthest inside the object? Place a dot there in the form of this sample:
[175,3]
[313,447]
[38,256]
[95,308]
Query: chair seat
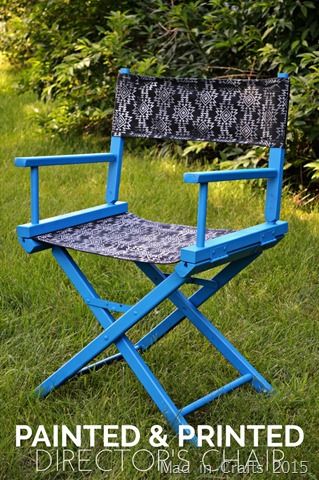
[129,237]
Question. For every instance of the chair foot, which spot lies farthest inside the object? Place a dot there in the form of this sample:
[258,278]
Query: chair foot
[261,385]
[43,391]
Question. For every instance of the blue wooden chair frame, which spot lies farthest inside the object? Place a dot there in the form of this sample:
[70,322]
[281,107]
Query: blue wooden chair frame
[237,250]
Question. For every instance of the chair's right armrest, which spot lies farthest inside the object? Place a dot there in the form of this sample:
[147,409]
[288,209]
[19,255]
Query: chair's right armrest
[229,175]
[204,178]
[220,249]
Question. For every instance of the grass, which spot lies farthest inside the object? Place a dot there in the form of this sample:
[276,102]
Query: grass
[270,311]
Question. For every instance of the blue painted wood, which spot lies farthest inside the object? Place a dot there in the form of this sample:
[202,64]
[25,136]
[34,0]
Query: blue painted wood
[201,215]
[34,191]
[34,163]
[124,70]
[143,307]
[200,281]
[274,186]
[171,321]
[225,347]
[197,299]
[113,306]
[125,346]
[32,246]
[227,175]
[222,247]
[28,230]
[64,160]
[185,269]
[115,169]
[192,407]
[212,334]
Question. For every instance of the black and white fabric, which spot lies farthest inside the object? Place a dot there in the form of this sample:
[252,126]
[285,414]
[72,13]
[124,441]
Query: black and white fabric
[128,237]
[220,110]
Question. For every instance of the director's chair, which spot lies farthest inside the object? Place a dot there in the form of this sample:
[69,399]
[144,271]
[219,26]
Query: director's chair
[220,110]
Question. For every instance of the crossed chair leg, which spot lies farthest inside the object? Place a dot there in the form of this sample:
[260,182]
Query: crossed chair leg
[166,286]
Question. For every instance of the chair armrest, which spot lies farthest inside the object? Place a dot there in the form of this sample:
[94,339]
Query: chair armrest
[34,163]
[222,248]
[227,175]
[29,230]
[203,178]
[64,160]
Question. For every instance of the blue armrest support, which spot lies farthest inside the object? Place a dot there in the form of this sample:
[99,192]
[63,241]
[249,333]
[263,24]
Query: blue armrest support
[27,231]
[64,160]
[203,178]
[227,175]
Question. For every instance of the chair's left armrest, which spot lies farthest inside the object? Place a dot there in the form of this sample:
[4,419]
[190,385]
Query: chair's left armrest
[35,162]
[64,160]
[27,231]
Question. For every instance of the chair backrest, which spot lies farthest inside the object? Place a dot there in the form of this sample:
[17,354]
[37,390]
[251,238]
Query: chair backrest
[250,111]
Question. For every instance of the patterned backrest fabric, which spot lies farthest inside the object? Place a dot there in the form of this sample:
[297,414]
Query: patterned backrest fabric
[219,110]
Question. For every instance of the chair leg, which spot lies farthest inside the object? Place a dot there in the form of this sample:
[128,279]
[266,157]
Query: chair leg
[197,299]
[137,365]
[152,385]
[125,346]
[72,366]
[212,334]
[116,329]
[173,319]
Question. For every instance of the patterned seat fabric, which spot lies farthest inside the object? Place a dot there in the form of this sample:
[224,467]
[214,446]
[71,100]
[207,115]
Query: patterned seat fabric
[129,237]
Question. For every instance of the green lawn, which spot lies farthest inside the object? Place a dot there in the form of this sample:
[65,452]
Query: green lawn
[270,311]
